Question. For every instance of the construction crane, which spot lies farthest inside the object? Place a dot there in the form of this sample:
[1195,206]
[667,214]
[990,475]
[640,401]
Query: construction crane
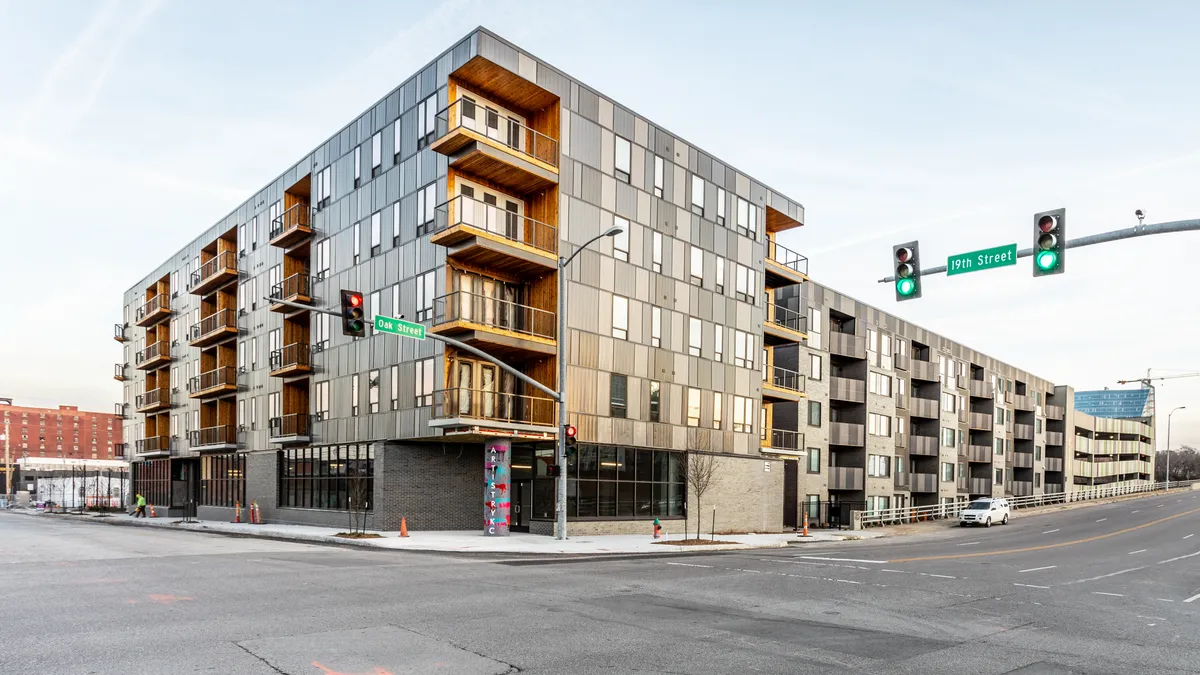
[1147,379]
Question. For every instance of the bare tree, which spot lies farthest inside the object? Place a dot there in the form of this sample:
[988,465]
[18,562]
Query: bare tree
[360,497]
[700,470]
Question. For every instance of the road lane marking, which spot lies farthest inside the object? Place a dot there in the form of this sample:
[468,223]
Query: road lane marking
[1193,598]
[1190,555]
[1030,586]
[1038,569]
[939,576]
[1115,595]
[1102,520]
[897,571]
[1105,576]
[1159,506]
[1140,550]
[1190,535]
[969,543]
[1051,531]
[1044,546]
[847,581]
[870,562]
[1135,510]
[1155,618]
[1165,599]
[690,565]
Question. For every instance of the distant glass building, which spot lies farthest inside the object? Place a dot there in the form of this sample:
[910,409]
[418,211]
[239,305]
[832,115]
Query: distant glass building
[1116,403]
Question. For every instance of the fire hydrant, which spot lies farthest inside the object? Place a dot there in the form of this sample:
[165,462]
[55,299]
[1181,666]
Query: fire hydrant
[657,528]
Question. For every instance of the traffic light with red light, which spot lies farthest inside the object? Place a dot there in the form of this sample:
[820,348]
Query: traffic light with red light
[352,314]
[572,437]
[906,258]
[1049,242]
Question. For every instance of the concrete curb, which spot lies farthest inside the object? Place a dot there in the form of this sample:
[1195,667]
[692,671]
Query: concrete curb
[715,547]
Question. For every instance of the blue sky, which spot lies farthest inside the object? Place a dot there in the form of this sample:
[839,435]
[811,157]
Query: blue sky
[127,126]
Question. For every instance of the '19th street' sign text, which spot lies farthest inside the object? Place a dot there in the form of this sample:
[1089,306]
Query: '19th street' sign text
[386,324]
[981,260]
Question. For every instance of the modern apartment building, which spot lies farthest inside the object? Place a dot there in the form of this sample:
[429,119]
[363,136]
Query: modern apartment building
[449,203]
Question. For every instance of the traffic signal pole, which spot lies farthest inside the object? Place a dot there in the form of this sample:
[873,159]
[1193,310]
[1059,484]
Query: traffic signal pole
[1092,239]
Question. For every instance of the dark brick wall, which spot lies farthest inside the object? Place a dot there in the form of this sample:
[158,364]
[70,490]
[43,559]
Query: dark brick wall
[436,487]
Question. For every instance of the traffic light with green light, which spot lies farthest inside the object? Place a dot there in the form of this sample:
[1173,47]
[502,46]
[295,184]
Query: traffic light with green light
[352,314]
[1049,242]
[907,260]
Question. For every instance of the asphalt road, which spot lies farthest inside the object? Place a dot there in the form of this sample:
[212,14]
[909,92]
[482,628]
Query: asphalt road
[1104,589]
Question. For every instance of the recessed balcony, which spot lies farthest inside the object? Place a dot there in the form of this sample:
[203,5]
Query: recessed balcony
[981,389]
[1023,402]
[923,407]
[782,325]
[291,361]
[783,386]
[153,356]
[1055,412]
[1054,438]
[214,439]
[923,482]
[784,442]
[488,236]
[1054,463]
[291,227]
[500,327]
[845,478]
[981,486]
[214,328]
[153,400]
[297,288]
[218,271]
[784,267]
[216,382]
[1022,488]
[1023,460]
[499,150]
[847,390]
[979,453]
[295,428]
[847,433]
[980,421]
[156,309]
[155,446]
[848,345]
[923,370]
[1023,432]
[925,446]
[480,412]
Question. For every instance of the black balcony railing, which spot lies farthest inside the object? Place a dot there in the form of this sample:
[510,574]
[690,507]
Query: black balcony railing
[153,444]
[224,434]
[493,313]
[467,114]
[787,257]
[218,377]
[787,379]
[156,304]
[782,439]
[222,320]
[492,406]
[151,352]
[288,426]
[296,218]
[787,318]
[119,332]
[223,262]
[295,355]
[295,286]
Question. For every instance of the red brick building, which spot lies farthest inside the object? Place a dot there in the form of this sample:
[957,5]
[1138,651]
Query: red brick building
[66,432]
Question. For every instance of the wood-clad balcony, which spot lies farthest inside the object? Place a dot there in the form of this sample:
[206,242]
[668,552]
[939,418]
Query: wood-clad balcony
[215,273]
[155,446]
[497,326]
[296,288]
[214,439]
[214,383]
[153,356]
[487,236]
[291,361]
[782,325]
[784,267]
[155,310]
[507,154]
[120,372]
[153,400]
[489,412]
[291,227]
[119,333]
[217,327]
[782,385]
[288,429]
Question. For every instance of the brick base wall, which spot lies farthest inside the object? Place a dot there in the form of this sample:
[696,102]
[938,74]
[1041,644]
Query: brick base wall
[435,487]
[748,498]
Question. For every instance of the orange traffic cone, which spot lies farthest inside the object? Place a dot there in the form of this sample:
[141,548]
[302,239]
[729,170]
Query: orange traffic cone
[403,526]
[237,512]
[805,525]
[151,510]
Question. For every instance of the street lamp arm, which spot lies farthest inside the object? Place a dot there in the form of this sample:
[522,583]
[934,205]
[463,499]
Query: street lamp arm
[611,232]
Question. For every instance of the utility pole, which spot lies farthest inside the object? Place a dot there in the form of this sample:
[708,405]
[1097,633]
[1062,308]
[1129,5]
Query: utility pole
[7,464]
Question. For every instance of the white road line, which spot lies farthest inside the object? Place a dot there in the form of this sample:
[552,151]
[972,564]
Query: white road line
[1135,510]
[847,581]
[939,576]
[1190,535]
[1115,595]
[1156,618]
[1105,576]
[870,562]
[1159,506]
[690,565]
[1051,531]
[1030,586]
[1140,550]
[969,543]
[1165,599]
[1102,520]
[1193,598]
[1190,555]
[1038,569]
[897,571]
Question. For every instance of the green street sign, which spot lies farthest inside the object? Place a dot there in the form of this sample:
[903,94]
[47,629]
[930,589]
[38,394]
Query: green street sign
[1000,256]
[386,324]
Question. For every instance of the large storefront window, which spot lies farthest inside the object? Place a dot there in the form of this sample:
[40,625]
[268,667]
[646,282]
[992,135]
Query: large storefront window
[152,480]
[327,477]
[223,480]
[612,482]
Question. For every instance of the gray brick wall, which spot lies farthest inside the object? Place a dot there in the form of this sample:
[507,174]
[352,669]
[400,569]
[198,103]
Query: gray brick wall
[436,487]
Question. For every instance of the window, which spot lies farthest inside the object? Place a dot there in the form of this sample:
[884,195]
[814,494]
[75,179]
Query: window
[697,271]
[253,354]
[947,472]
[658,176]
[372,311]
[999,415]
[814,413]
[426,208]
[354,394]
[743,414]
[695,336]
[814,366]
[616,482]
[322,258]
[423,382]
[357,166]
[948,437]
[222,480]
[999,446]
[426,121]
[879,425]
[376,154]
[617,395]
[425,294]
[999,476]
[656,252]
[747,218]
[718,404]
[948,402]
[878,383]
[693,407]
[655,400]
[253,414]
[745,284]
[814,461]
[373,391]
[720,275]
[620,317]
[376,233]
[1037,452]
[394,379]
[697,195]
[655,327]
[331,477]
[1037,480]
[324,187]
[743,349]
[396,141]
[879,466]
[320,331]
[396,224]
[719,344]
[622,158]
[621,240]
[1037,425]
[721,207]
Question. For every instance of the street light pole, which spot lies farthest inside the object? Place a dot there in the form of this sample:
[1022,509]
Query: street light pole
[561,445]
[1168,481]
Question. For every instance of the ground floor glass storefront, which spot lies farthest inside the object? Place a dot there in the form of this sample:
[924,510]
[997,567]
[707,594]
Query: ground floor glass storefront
[327,477]
[607,482]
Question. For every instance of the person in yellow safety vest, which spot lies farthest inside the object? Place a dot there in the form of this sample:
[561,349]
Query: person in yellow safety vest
[141,506]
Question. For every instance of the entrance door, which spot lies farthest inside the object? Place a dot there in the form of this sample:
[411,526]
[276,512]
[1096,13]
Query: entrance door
[521,506]
[791,493]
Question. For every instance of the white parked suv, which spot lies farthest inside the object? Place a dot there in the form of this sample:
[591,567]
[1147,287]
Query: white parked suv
[985,511]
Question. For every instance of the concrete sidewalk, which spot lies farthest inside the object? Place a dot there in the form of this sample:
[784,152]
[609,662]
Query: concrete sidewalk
[476,542]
